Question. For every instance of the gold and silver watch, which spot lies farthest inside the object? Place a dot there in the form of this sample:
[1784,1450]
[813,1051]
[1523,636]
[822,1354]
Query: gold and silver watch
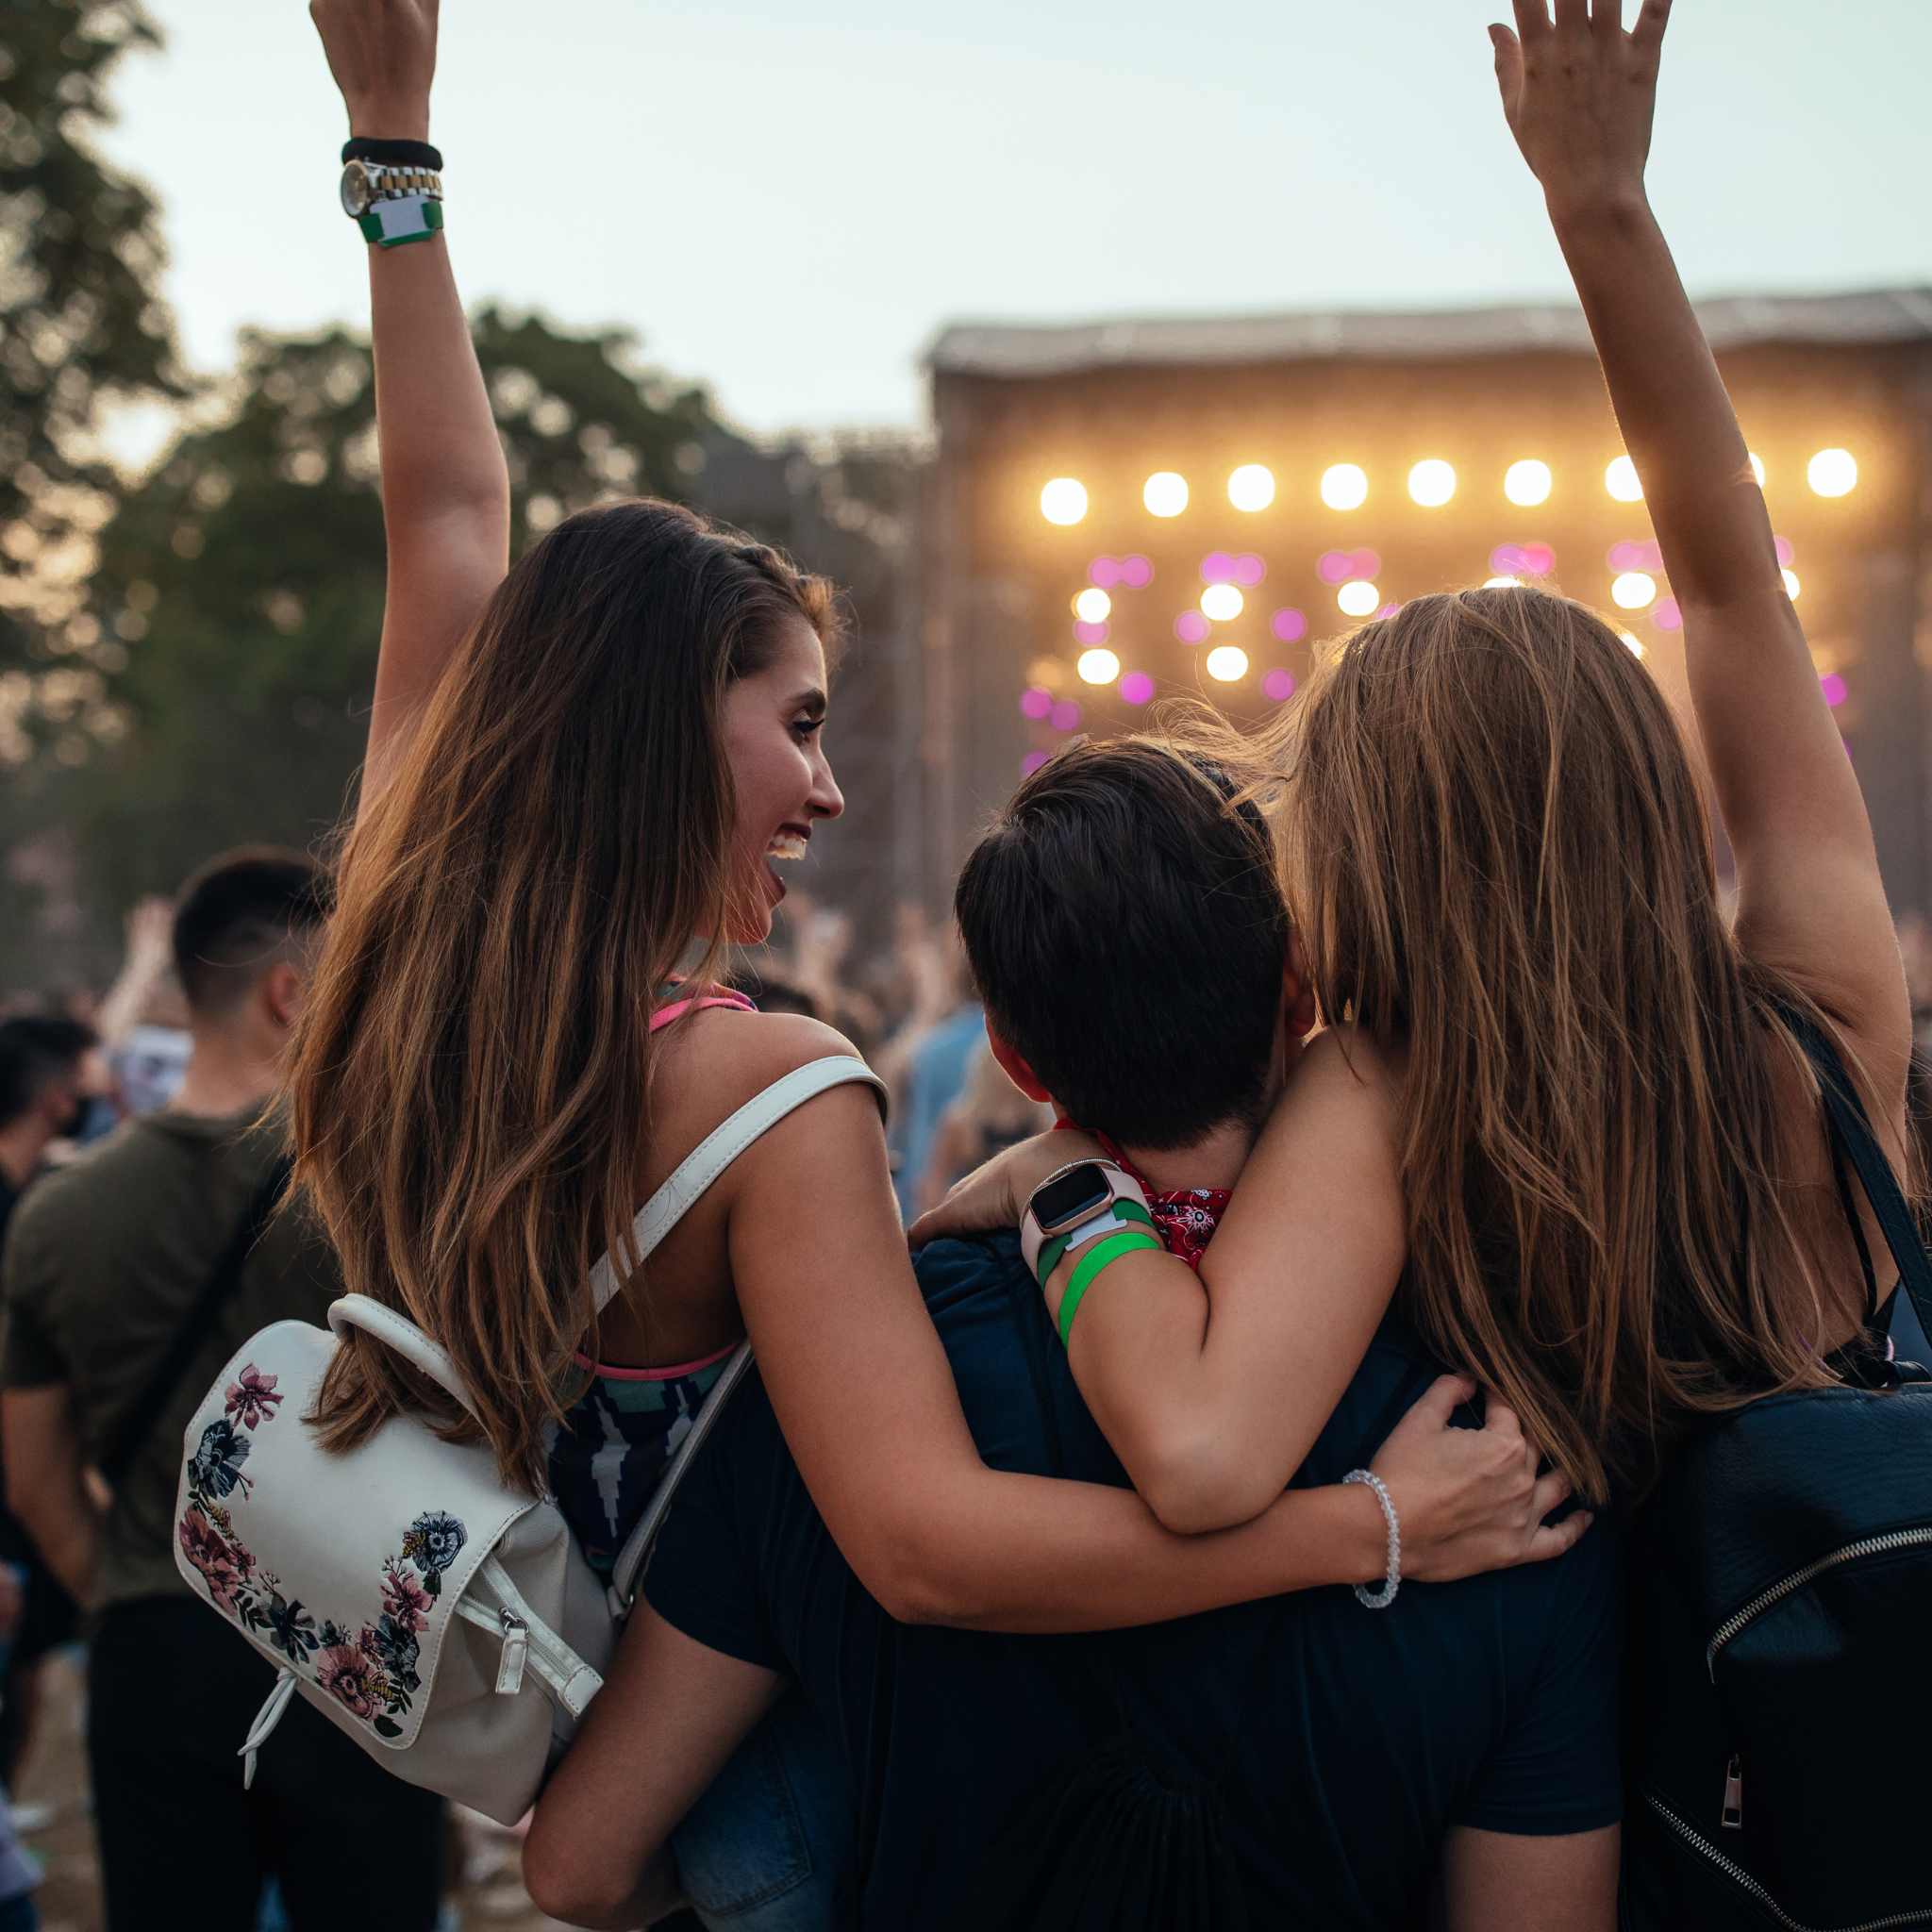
[393,205]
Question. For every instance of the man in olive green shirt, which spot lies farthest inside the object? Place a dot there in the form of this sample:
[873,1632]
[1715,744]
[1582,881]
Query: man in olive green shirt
[104,1262]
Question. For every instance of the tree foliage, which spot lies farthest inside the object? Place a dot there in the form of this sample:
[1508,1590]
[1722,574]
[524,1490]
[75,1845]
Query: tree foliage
[234,617]
[82,325]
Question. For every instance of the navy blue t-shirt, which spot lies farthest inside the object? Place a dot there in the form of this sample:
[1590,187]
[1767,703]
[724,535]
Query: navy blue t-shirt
[1490,1702]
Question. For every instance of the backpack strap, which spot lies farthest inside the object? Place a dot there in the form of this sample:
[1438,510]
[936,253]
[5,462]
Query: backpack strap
[721,1147]
[1852,1128]
[216,1293]
[628,1570]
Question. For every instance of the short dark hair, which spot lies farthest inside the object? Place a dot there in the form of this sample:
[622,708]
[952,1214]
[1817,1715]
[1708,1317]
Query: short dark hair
[238,915]
[33,1051]
[1125,923]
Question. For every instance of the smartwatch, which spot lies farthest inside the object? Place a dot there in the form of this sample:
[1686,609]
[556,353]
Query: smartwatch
[1076,1204]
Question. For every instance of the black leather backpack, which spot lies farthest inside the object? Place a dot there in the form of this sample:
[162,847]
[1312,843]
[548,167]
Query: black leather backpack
[1778,1764]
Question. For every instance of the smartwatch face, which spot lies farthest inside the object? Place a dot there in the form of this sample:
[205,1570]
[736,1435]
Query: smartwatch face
[357,193]
[1066,1202]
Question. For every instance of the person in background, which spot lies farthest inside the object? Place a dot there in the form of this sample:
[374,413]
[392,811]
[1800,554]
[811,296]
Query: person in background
[143,1021]
[928,1071]
[990,1115]
[43,1092]
[102,1266]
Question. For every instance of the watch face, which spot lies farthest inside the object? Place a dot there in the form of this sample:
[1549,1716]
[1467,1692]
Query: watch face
[356,191]
[1073,1198]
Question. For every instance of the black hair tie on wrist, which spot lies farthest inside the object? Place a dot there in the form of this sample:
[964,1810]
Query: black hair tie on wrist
[392,154]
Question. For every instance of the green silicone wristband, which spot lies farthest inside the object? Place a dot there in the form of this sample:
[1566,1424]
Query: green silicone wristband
[1091,1262]
[1054,1251]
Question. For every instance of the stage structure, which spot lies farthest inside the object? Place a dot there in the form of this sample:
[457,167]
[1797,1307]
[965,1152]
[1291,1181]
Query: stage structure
[1139,508]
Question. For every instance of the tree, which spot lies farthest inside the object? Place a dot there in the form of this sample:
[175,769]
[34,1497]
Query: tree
[82,325]
[233,619]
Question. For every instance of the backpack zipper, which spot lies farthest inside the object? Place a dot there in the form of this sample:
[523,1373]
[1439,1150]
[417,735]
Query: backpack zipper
[1868,1546]
[1739,1876]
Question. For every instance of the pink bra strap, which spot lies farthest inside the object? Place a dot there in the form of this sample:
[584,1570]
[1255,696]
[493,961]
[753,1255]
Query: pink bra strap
[610,1375]
[664,1015]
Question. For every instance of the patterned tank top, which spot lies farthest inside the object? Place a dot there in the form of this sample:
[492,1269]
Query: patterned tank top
[610,1452]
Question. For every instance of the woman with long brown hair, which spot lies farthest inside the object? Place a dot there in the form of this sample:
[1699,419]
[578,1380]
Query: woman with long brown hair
[580,770]
[1558,1117]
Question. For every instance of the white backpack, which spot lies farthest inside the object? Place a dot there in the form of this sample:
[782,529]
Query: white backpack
[450,1625]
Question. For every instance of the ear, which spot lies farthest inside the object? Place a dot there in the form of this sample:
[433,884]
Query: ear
[1297,995]
[1018,1072]
[280,989]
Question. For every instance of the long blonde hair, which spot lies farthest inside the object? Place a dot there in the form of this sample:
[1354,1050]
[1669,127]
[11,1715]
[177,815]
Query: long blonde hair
[1497,850]
[470,1090]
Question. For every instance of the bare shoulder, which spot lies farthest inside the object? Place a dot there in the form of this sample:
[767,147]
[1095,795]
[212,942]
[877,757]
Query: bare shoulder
[1343,1061]
[710,1063]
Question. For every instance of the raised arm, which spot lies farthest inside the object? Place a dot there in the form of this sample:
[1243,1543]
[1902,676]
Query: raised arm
[445,488]
[1578,93]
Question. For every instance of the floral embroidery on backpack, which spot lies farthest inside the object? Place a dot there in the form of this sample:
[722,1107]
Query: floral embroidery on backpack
[371,1672]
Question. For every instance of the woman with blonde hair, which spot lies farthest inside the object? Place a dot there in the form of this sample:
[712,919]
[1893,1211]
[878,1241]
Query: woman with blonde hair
[581,770]
[1559,1118]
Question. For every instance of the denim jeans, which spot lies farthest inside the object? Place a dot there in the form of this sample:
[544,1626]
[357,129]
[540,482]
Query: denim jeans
[769,1848]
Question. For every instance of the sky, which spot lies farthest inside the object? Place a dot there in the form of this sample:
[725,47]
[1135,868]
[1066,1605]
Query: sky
[788,201]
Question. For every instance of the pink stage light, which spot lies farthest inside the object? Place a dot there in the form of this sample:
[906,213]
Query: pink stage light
[1090,633]
[1539,559]
[1508,561]
[1785,552]
[1032,762]
[1217,567]
[1104,573]
[1035,700]
[1289,625]
[1634,556]
[1136,573]
[1278,685]
[1137,688]
[1065,716]
[1833,686]
[1191,626]
[1666,616]
[1249,569]
[1335,566]
[1387,609]
[1364,563]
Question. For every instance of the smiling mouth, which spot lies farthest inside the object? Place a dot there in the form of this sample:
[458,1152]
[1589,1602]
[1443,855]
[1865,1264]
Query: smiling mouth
[786,845]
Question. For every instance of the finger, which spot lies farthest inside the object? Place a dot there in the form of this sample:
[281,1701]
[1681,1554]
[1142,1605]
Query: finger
[1532,20]
[1647,33]
[1573,16]
[1554,1538]
[1549,1493]
[1498,1416]
[1442,1399]
[1508,65]
[1607,18]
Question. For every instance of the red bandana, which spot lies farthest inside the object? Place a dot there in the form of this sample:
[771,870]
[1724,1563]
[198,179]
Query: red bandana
[1187,1217]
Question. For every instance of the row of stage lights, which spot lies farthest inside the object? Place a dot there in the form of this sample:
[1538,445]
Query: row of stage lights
[1224,577]
[1431,483]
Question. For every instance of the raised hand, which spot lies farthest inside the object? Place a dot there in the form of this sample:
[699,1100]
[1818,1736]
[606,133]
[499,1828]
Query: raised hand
[1578,93]
[383,56]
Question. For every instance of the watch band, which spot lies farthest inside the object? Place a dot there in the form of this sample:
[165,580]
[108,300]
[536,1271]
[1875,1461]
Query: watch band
[367,184]
[1124,1189]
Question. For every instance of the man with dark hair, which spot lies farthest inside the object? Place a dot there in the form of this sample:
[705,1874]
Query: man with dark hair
[1320,1758]
[43,1095]
[129,1277]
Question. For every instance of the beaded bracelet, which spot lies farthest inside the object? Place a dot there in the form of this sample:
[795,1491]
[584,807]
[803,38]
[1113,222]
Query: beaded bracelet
[1391,1576]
